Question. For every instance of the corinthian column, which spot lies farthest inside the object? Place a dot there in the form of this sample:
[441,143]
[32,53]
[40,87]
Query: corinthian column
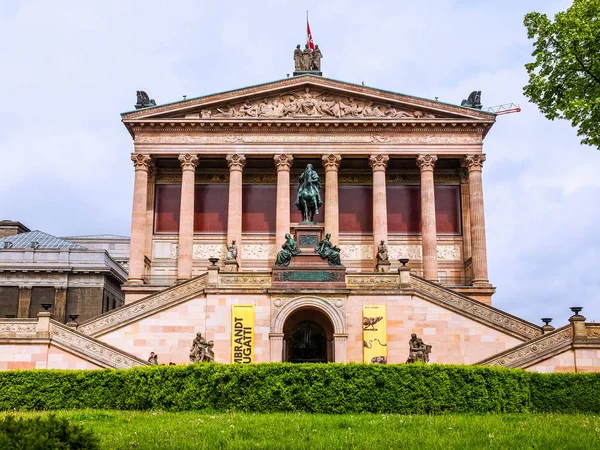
[186,216]
[282,215]
[234,213]
[474,164]
[331,163]
[428,228]
[142,163]
[379,163]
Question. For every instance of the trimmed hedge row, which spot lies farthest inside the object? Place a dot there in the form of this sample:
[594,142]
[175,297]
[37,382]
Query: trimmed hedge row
[319,388]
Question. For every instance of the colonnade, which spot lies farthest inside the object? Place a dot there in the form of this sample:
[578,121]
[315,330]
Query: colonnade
[143,165]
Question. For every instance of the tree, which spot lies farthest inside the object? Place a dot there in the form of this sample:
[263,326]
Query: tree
[564,78]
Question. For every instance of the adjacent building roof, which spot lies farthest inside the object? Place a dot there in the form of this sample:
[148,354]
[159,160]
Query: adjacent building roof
[45,241]
[97,236]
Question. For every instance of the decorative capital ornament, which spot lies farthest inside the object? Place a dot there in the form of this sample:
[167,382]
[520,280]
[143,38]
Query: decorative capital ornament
[331,161]
[378,162]
[426,162]
[188,162]
[473,162]
[236,161]
[283,161]
[141,161]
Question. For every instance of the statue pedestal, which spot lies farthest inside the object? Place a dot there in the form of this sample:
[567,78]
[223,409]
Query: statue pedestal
[383,266]
[308,269]
[231,266]
[308,72]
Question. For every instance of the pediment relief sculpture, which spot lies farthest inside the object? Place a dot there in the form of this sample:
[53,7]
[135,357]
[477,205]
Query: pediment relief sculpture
[310,103]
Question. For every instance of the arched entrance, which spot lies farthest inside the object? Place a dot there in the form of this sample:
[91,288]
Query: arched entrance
[308,337]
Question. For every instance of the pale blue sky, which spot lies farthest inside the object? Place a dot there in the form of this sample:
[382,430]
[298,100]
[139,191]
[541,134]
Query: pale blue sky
[70,67]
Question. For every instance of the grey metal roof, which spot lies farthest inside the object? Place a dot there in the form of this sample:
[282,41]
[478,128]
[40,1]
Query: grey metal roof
[97,236]
[45,241]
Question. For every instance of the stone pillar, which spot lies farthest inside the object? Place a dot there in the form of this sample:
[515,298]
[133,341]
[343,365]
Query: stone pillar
[340,348]
[24,302]
[142,163]
[152,175]
[465,212]
[234,213]
[283,163]
[276,340]
[186,216]
[60,303]
[428,227]
[331,163]
[380,231]
[474,164]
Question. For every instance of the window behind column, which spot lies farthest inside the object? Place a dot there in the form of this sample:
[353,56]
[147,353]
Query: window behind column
[259,205]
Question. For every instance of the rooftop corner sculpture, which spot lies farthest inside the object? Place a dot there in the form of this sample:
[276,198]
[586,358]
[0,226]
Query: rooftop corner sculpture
[202,350]
[473,101]
[288,249]
[418,350]
[308,200]
[143,100]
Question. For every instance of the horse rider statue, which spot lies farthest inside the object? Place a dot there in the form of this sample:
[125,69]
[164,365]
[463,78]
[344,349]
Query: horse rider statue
[308,200]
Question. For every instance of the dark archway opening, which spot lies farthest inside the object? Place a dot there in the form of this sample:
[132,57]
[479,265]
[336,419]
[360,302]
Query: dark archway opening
[308,337]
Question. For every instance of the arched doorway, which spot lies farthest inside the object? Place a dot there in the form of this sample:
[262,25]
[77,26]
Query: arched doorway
[308,337]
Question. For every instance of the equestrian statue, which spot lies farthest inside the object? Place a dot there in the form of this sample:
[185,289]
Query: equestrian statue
[308,200]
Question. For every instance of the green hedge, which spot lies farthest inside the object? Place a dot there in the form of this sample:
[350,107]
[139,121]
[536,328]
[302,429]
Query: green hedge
[323,388]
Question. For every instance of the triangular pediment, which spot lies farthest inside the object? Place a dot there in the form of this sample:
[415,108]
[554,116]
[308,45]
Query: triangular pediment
[308,98]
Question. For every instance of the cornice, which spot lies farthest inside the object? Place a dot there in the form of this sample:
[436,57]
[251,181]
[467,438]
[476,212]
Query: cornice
[307,81]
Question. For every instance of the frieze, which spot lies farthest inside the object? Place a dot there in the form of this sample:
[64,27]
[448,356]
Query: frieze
[593,332]
[475,309]
[260,178]
[356,251]
[357,179]
[247,280]
[205,251]
[321,82]
[168,177]
[94,349]
[259,251]
[404,138]
[531,350]
[140,308]
[370,281]
[444,252]
[17,327]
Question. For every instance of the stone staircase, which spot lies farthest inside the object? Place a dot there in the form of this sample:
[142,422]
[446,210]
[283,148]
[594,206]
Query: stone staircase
[538,349]
[144,307]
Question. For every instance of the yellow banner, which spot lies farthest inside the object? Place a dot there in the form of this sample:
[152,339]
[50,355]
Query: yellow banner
[374,334]
[242,334]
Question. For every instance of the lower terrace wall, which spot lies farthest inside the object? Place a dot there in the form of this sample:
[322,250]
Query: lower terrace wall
[572,360]
[40,356]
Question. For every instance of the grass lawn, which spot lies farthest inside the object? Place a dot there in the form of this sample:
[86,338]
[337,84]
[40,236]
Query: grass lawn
[198,430]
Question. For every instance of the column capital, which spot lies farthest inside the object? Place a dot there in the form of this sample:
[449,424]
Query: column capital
[331,161]
[141,161]
[473,162]
[188,162]
[236,161]
[283,161]
[426,162]
[378,161]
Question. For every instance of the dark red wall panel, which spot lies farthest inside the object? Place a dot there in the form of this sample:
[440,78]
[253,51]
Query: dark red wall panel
[404,209]
[295,215]
[447,209]
[211,202]
[356,208]
[259,203]
[166,208]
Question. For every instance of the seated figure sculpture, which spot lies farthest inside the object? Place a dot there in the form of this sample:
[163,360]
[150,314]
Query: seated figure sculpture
[329,251]
[382,252]
[288,249]
[418,350]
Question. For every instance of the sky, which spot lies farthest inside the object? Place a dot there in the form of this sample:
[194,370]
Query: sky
[70,67]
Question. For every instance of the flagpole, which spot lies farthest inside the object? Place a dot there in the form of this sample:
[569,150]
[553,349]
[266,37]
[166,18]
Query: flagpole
[307,41]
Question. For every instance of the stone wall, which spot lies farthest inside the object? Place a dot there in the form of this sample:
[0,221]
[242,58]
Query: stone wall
[40,356]
[572,360]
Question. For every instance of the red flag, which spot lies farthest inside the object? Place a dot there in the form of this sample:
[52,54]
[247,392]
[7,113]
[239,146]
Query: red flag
[309,39]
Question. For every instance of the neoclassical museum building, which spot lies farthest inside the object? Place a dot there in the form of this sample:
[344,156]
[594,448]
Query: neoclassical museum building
[215,193]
